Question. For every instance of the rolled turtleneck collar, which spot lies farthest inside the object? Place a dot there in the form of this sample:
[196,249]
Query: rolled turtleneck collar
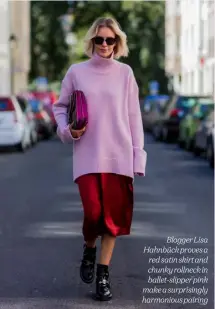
[102,62]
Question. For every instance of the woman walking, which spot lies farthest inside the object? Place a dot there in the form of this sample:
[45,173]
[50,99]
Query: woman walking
[108,152]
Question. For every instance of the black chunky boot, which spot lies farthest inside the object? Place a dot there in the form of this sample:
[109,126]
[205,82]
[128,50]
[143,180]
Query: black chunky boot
[103,288]
[87,269]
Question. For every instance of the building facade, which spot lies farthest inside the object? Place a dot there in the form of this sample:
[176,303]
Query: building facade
[211,46]
[172,46]
[14,46]
[4,48]
[196,47]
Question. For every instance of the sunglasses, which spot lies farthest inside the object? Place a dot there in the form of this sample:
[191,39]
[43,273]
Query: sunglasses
[99,40]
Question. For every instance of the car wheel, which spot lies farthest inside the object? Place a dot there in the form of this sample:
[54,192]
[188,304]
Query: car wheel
[165,134]
[196,151]
[34,138]
[210,154]
[181,144]
[47,136]
[156,132]
[187,144]
[21,147]
[192,144]
[187,141]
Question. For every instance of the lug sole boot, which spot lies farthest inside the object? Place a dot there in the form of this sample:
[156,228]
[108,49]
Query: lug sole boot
[103,287]
[87,268]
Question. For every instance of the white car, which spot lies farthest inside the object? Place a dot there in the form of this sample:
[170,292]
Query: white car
[14,128]
[31,121]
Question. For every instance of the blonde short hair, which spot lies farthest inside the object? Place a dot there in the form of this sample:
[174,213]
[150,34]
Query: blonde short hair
[121,48]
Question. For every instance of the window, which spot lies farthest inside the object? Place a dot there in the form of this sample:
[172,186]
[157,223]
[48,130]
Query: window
[211,24]
[168,6]
[170,45]
[178,43]
[178,7]
[192,39]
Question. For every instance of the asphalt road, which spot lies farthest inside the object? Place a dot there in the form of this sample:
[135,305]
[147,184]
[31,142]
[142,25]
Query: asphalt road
[41,219]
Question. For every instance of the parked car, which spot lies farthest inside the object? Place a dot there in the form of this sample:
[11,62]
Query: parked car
[30,120]
[204,136]
[210,148]
[48,98]
[151,111]
[166,128]
[43,121]
[190,123]
[14,127]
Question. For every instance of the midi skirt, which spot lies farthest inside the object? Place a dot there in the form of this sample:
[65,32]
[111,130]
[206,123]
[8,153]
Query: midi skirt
[107,201]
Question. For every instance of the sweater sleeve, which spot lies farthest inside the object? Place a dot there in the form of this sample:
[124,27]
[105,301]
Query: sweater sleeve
[136,126]
[60,109]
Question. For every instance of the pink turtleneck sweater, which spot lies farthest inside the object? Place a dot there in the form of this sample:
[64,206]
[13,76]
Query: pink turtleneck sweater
[114,139]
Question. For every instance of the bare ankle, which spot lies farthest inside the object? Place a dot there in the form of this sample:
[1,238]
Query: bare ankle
[90,243]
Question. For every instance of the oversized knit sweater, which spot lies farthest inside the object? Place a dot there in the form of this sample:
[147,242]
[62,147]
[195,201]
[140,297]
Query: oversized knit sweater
[114,139]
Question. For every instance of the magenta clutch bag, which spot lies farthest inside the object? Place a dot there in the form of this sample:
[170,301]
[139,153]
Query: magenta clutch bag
[77,110]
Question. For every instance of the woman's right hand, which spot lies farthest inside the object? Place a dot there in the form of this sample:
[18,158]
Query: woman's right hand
[77,133]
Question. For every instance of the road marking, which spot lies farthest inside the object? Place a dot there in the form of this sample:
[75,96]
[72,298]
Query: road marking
[53,229]
[139,207]
[160,207]
[158,191]
[153,231]
[73,229]
[138,189]
[67,189]
[68,204]
[189,163]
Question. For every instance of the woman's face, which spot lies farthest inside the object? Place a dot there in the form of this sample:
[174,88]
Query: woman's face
[104,48]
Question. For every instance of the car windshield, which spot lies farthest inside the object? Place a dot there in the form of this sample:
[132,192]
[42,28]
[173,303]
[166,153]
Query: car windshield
[202,108]
[3,104]
[206,108]
[188,103]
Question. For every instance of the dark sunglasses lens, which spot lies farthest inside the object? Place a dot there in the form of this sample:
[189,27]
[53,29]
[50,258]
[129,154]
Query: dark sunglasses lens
[98,40]
[110,41]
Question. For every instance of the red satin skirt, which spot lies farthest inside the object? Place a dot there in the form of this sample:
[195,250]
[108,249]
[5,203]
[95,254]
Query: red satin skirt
[108,204]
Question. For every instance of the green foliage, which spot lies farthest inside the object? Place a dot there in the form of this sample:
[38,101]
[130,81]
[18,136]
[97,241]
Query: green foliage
[49,52]
[143,22]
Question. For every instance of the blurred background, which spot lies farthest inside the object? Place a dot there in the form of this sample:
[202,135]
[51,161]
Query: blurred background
[172,53]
